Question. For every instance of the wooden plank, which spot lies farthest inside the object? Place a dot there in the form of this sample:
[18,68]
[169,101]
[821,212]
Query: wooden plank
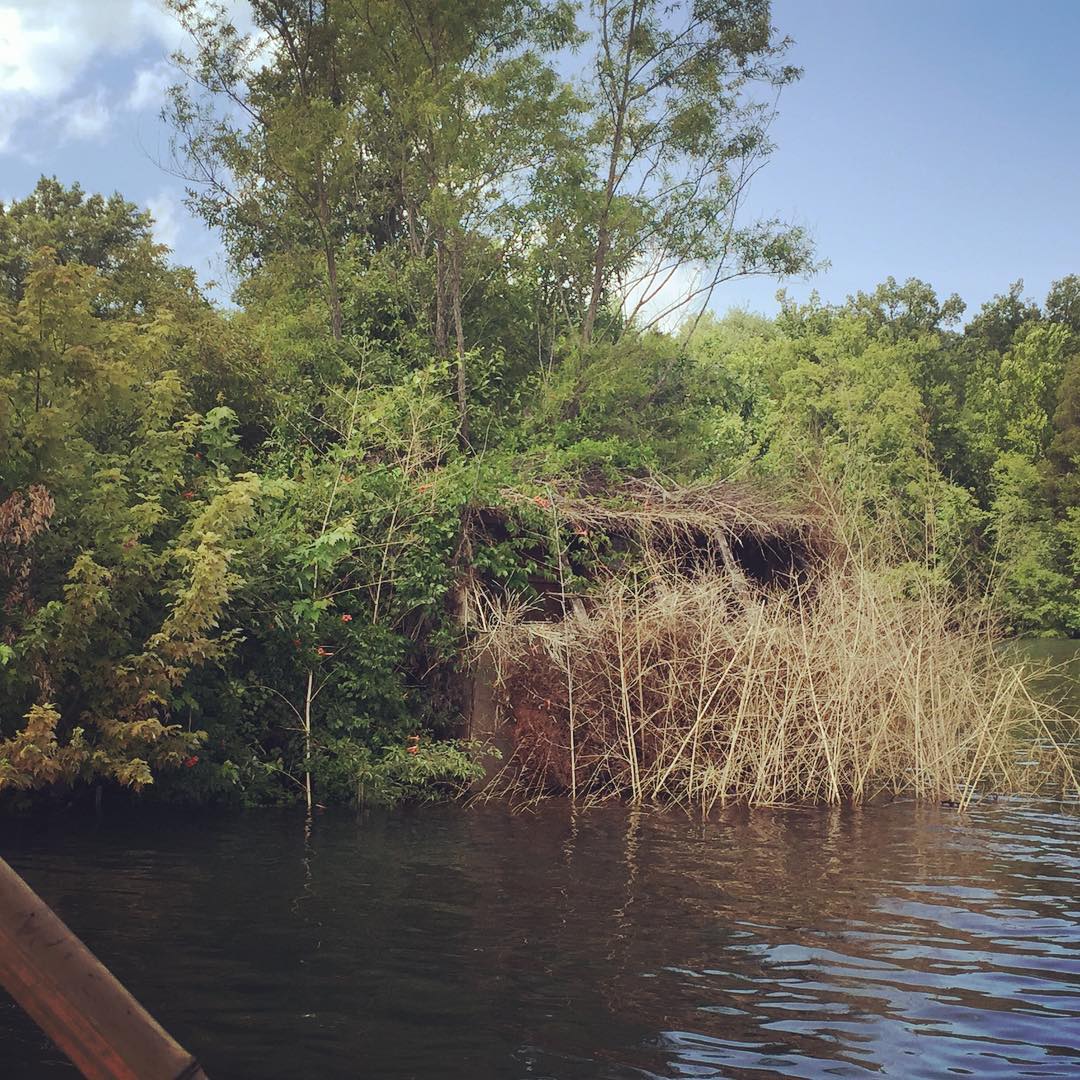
[75,999]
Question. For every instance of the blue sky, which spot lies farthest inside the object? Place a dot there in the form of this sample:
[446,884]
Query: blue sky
[937,140]
[931,139]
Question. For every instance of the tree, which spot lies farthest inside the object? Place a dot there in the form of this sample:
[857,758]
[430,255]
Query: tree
[349,570]
[353,127]
[116,523]
[1000,318]
[739,362]
[675,139]
[1033,588]
[110,234]
[1010,396]
[1063,454]
[272,146]
[905,311]
[1063,302]
[469,106]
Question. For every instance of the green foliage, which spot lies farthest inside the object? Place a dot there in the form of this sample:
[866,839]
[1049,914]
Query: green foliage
[407,771]
[1063,453]
[1035,591]
[233,546]
[118,517]
[631,405]
[671,130]
[110,235]
[963,443]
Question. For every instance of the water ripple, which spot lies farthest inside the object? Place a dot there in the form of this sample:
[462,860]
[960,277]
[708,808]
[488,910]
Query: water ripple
[898,941]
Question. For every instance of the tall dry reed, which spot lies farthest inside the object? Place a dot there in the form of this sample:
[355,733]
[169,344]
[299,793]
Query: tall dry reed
[701,689]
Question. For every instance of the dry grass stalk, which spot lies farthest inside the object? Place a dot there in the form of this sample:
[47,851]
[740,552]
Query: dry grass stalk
[699,689]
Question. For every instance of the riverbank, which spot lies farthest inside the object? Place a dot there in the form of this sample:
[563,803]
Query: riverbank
[747,655]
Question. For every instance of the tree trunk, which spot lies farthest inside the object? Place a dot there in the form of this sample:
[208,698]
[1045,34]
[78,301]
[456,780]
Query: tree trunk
[603,241]
[332,294]
[459,331]
[442,329]
[603,235]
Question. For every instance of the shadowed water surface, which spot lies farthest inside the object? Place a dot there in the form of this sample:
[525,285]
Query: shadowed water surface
[897,941]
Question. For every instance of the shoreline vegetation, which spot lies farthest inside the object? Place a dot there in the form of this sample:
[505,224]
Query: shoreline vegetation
[473,358]
[832,675]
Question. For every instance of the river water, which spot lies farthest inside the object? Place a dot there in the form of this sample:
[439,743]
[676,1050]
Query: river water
[902,941]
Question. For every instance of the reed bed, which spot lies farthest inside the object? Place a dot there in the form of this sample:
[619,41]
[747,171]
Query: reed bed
[846,684]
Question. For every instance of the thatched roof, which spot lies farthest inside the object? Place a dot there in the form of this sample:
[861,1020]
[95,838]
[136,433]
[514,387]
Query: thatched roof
[741,524]
[735,507]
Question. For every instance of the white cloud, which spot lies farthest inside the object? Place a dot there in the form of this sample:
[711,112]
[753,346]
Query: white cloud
[166,223]
[661,295]
[149,86]
[9,118]
[47,48]
[85,117]
[46,45]
[22,49]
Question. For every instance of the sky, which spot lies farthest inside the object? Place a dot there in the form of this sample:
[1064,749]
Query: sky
[937,140]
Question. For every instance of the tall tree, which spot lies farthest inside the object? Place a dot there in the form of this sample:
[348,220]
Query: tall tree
[676,136]
[468,105]
[1063,302]
[266,131]
[355,124]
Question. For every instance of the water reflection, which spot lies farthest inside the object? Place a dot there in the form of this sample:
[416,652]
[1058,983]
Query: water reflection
[1060,658]
[896,941]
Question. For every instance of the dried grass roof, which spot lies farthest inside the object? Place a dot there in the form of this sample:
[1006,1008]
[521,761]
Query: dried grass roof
[735,509]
